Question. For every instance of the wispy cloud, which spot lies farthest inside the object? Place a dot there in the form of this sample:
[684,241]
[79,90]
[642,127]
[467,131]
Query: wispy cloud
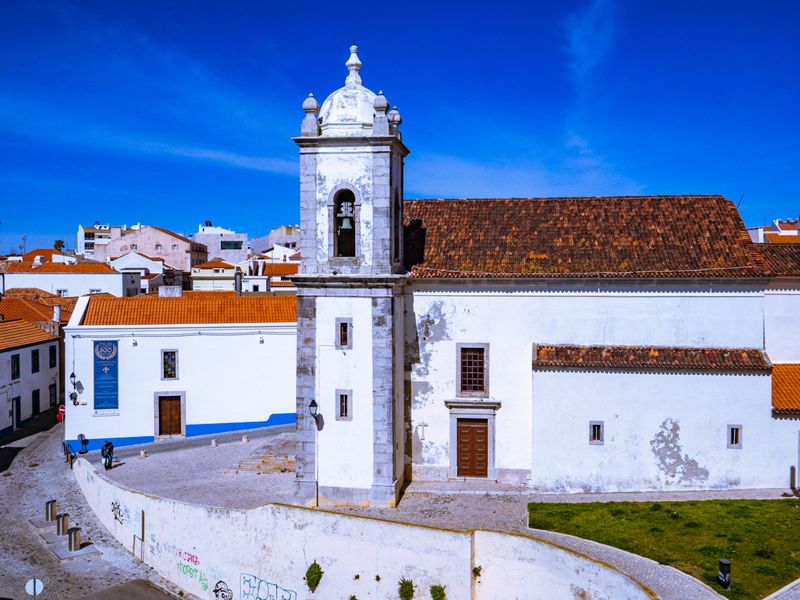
[590,36]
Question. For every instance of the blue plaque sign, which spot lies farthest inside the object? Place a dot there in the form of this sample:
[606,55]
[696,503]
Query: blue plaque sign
[106,379]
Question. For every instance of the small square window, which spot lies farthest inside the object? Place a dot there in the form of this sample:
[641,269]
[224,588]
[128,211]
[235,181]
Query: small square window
[344,408]
[53,357]
[734,436]
[15,366]
[174,246]
[596,433]
[34,361]
[344,334]
[62,293]
[473,370]
[255,287]
[169,364]
[158,247]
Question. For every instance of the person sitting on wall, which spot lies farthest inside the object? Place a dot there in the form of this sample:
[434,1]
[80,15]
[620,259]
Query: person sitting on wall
[107,452]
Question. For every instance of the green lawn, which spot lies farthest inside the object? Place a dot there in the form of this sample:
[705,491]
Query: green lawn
[760,537]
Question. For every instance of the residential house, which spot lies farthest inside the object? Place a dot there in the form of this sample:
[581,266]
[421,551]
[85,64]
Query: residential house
[43,255]
[156,242]
[215,275]
[153,271]
[29,379]
[285,235]
[95,236]
[70,279]
[222,243]
[152,367]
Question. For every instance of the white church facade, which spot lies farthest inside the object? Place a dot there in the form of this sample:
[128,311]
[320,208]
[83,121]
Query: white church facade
[572,344]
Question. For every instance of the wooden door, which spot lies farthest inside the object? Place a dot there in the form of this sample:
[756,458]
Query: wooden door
[17,410]
[169,415]
[473,447]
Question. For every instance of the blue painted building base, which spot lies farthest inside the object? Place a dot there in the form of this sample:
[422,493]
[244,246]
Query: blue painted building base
[192,430]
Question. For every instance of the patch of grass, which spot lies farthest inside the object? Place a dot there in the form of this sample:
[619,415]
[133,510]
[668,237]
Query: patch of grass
[760,537]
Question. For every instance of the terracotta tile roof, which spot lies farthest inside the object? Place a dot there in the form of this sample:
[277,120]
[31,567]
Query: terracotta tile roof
[786,388]
[295,256]
[281,284]
[632,236]
[777,238]
[81,267]
[67,303]
[787,225]
[200,309]
[30,293]
[47,253]
[280,268]
[781,260]
[652,357]
[215,263]
[14,334]
[12,308]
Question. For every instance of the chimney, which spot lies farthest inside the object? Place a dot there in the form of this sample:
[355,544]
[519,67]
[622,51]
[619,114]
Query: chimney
[237,282]
[169,291]
[56,313]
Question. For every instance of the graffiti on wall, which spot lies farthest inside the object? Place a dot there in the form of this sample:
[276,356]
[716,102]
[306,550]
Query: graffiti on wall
[121,513]
[222,591]
[193,572]
[255,588]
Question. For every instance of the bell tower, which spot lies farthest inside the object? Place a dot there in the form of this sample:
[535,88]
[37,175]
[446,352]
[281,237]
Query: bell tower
[350,298]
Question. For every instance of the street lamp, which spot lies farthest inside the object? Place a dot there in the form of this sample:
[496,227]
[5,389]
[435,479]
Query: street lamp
[312,409]
[72,378]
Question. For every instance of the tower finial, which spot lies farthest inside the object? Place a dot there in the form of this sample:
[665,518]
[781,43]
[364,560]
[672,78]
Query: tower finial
[353,64]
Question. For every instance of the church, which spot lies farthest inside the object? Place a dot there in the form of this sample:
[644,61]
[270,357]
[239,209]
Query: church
[589,344]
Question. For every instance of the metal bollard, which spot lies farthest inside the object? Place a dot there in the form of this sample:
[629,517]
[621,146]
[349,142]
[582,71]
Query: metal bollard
[74,542]
[214,443]
[245,438]
[62,523]
[50,510]
[143,454]
[724,576]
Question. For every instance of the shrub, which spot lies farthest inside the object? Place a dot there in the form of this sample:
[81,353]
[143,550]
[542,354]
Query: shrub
[314,576]
[476,571]
[406,589]
[437,592]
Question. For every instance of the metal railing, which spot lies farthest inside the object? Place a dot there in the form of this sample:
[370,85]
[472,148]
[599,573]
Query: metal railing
[69,453]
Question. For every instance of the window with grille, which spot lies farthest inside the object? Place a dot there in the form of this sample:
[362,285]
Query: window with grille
[53,357]
[344,334]
[473,371]
[53,394]
[344,223]
[344,408]
[15,366]
[596,433]
[734,436]
[169,364]
[34,361]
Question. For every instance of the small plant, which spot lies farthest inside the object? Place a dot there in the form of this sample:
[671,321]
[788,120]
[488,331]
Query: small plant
[476,571]
[314,576]
[378,578]
[352,597]
[356,576]
[437,592]
[406,589]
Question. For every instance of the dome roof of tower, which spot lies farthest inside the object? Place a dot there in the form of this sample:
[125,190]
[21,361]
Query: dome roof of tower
[350,109]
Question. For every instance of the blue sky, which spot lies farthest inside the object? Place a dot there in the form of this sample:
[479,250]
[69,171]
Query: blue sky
[171,113]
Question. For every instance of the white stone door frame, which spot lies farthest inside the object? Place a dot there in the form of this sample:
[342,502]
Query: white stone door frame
[472,408]
[156,411]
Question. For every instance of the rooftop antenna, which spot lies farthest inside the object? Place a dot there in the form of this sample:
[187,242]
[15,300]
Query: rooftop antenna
[740,201]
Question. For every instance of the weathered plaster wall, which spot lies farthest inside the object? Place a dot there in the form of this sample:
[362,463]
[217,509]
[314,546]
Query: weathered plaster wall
[263,554]
[77,284]
[510,318]
[345,447]
[23,386]
[230,379]
[662,431]
[782,322]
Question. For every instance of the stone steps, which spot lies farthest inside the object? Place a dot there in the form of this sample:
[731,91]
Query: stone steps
[264,465]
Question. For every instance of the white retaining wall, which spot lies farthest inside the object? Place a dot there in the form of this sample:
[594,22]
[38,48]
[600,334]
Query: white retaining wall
[263,553]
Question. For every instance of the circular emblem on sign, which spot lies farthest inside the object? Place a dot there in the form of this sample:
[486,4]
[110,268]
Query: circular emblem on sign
[105,351]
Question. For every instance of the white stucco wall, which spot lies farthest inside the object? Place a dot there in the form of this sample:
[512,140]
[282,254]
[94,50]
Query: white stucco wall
[510,318]
[662,431]
[77,284]
[27,382]
[268,549]
[782,322]
[230,379]
[345,447]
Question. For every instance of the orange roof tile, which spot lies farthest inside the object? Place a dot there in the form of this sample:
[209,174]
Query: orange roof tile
[84,267]
[651,357]
[781,260]
[609,237]
[30,293]
[196,309]
[777,238]
[787,225]
[12,308]
[280,268]
[48,254]
[786,388]
[281,284]
[15,334]
[215,263]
